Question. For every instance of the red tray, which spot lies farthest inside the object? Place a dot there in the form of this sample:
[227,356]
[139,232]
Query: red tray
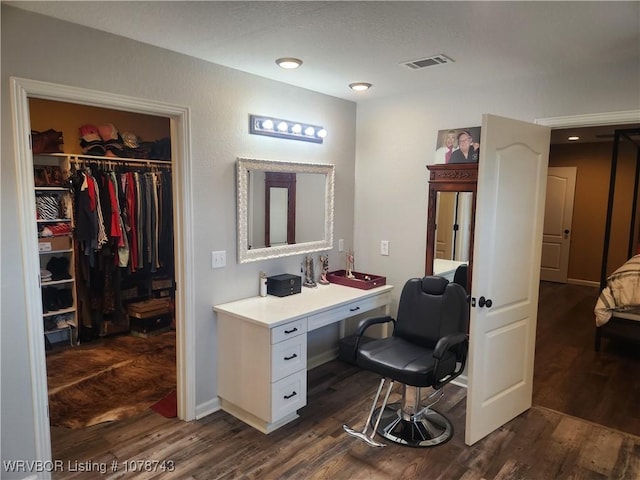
[363,281]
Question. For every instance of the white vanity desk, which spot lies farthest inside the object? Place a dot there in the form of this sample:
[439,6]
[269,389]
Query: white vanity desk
[446,268]
[262,348]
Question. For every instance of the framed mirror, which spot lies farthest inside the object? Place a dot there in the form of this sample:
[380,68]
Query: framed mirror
[284,208]
[451,219]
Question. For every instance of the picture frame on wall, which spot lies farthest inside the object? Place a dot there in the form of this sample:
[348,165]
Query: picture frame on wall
[458,145]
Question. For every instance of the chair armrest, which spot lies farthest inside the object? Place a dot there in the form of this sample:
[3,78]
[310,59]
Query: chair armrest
[443,345]
[367,322]
[446,342]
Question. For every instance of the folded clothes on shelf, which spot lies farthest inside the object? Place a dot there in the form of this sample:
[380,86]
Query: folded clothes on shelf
[59,268]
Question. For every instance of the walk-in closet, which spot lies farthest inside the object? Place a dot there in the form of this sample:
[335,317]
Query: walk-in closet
[104,204]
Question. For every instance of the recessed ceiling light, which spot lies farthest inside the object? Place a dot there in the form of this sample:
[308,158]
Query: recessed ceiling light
[360,86]
[573,138]
[289,62]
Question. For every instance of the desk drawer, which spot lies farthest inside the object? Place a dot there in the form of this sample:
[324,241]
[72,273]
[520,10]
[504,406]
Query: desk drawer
[288,395]
[288,357]
[349,310]
[288,330]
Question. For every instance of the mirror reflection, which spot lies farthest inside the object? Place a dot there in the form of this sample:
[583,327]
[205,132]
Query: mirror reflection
[284,208]
[454,211]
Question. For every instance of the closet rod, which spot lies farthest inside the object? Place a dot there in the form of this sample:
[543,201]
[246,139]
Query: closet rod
[119,161]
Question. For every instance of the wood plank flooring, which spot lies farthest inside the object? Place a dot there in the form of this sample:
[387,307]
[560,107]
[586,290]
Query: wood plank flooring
[570,376]
[539,444]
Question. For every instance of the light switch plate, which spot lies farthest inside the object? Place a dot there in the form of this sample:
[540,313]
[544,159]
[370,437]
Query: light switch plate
[341,245]
[384,247]
[219,259]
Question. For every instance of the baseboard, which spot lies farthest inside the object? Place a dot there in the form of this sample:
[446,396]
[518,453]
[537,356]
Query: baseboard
[460,381]
[583,283]
[207,408]
[324,357]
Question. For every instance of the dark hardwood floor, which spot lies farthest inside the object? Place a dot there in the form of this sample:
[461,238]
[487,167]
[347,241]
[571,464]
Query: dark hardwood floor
[570,376]
[542,443]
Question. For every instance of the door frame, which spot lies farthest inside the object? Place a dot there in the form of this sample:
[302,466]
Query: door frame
[21,89]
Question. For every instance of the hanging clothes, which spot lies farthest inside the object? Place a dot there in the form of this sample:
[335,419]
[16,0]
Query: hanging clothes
[124,227]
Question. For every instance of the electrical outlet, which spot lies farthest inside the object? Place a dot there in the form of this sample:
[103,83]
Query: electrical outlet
[384,247]
[219,259]
[341,245]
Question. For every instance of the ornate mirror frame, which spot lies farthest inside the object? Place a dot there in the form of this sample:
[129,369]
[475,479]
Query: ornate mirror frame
[244,167]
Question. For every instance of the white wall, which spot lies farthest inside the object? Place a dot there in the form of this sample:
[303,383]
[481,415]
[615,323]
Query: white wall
[220,100]
[396,139]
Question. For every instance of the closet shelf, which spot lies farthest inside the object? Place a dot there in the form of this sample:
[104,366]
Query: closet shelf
[55,330]
[62,311]
[54,252]
[53,220]
[115,160]
[57,282]
[52,189]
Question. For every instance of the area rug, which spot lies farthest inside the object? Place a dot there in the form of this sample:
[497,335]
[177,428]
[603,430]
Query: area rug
[168,406]
[121,377]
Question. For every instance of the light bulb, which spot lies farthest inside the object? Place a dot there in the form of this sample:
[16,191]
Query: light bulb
[283,127]
[322,133]
[360,86]
[267,124]
[297,128]
[309,131]
[289,62]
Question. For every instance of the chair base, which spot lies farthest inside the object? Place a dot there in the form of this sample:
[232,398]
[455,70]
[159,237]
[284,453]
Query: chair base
[425,429]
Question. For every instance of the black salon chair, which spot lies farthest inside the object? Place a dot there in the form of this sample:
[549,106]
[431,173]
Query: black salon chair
[461,276]
[428,348]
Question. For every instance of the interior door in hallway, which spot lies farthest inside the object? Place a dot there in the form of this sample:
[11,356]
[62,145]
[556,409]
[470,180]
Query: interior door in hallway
[512,177]
[561,186]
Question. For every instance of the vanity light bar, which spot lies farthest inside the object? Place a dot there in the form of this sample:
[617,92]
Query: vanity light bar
[277,127]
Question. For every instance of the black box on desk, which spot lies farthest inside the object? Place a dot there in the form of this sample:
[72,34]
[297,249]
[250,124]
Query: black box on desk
[283,285]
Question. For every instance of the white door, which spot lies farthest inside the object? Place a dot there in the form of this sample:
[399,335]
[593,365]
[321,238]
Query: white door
[561,187]
[512,178]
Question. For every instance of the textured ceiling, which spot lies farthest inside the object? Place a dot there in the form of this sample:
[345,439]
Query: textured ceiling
[344,42]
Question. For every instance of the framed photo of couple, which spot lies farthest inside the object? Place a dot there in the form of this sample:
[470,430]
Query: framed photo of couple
[458,145]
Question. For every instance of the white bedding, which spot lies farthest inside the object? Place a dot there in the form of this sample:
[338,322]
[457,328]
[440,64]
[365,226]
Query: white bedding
[622,293]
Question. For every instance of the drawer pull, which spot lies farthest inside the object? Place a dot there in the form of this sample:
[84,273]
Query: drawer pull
[287,397]
[294,329]
[291,357]
[354,309]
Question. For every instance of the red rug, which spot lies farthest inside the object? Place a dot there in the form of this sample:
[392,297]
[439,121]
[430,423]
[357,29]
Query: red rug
[168,406]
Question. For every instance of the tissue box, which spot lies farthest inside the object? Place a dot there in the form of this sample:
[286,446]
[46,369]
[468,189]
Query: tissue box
[284,285]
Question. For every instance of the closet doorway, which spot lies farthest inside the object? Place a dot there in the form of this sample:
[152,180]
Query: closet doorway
[111,346]
[23,91]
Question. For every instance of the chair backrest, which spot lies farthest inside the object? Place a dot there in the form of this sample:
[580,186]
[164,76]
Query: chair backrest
[430,308]
[461,276]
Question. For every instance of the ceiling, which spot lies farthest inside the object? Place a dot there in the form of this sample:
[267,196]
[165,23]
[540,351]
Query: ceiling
[342,42]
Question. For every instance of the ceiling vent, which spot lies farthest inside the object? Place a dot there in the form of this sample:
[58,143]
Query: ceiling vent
[428,62]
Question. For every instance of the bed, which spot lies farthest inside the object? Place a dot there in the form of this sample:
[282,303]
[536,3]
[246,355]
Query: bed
[617,309]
